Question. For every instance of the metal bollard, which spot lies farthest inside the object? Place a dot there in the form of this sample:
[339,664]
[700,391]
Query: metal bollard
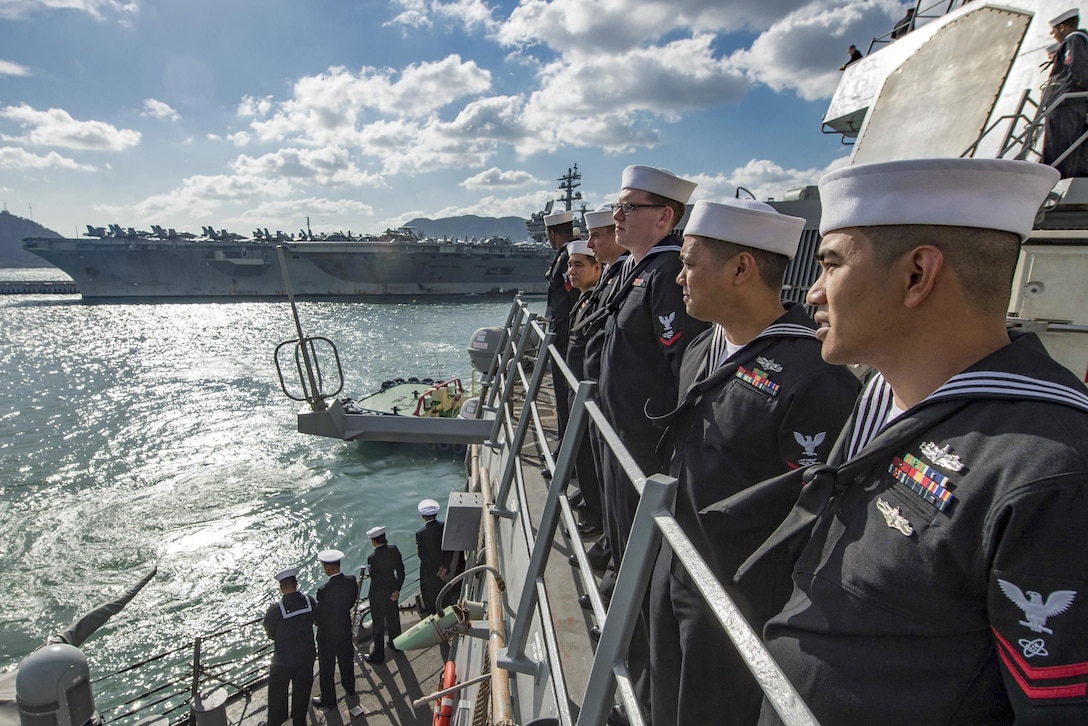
[211,710]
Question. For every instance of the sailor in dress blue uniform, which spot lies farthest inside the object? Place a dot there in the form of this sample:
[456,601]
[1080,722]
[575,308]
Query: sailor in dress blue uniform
[290,623]
[561,296]
[335,600]
[386,568]
[756,400]
[941,568]
[645,336]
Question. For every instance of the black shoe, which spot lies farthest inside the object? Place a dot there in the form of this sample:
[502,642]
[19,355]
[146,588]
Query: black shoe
[585,602]
[394,648]
[589,529]
[320,704]
[372,659]
[618,716]
[595,633]
[573,560]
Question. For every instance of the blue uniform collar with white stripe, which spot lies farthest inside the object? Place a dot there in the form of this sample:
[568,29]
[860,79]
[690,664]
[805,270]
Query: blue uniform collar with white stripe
[990,378]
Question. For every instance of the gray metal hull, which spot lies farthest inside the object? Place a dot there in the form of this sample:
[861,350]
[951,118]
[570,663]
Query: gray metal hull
[113,268]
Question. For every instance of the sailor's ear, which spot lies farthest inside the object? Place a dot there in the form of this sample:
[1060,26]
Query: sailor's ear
[921,266]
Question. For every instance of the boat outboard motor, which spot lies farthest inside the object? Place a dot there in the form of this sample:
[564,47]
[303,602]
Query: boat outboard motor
[483,346]
[53,688]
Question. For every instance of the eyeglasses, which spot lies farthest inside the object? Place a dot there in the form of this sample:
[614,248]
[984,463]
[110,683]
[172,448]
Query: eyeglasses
[628,207]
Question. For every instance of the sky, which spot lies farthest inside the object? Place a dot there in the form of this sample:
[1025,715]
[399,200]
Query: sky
[360,116]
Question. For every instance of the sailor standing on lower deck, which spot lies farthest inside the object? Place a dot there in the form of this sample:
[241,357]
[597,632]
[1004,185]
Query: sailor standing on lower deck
[756,400]
[335,600]
[434,562]
[386,568]
[290,623]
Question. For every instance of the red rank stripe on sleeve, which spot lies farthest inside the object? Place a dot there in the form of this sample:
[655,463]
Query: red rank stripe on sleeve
[1025,674]
[667,343]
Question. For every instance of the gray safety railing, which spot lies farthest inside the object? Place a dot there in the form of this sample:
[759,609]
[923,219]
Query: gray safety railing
[1026,140]
[930,12]
[653,521]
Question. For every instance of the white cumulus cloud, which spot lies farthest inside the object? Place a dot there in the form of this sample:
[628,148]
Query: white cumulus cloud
[802,51]
[202,196]
[327,166]
[55,127]
[331,107]
[466,14]
[99,9]
[11,68]
[12,157]
[160,110]
[495,178]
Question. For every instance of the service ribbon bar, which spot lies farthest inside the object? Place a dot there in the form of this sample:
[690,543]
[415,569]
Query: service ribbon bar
[924,481]
[757,379]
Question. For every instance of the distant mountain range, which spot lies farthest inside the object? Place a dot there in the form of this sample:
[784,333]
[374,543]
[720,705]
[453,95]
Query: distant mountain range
[12,231]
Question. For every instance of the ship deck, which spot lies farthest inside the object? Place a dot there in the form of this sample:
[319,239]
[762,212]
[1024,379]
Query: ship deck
[385,693]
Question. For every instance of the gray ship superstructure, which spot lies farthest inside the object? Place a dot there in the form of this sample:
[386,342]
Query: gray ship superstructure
[166,264]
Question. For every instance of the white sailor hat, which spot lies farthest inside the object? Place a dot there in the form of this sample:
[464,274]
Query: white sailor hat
[985,193]
[330,557]
[284,574]
[552,220]
[601,217]
[428,507]
[1067,15]
[746,222]
[658,181]
[579,247]
[375,532]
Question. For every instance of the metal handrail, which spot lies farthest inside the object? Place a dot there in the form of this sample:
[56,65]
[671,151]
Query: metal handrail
[1027,138]
[653,520]
[919,13]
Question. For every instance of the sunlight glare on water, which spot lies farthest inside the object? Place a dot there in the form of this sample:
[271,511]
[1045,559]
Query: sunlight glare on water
[157,434]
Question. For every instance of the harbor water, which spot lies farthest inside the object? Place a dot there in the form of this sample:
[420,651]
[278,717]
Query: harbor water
[143,435]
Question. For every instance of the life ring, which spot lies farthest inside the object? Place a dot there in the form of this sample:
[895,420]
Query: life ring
[444,707]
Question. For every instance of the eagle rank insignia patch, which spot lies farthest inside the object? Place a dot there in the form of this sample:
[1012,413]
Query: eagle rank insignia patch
[1035,609]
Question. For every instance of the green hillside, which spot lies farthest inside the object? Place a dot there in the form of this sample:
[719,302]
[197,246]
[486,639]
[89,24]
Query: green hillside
[12,231]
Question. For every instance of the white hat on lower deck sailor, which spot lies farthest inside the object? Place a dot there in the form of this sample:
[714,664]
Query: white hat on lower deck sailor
[375,532]
[999,194]
[284,574]
[428,507]
[1067,15]
[330,557]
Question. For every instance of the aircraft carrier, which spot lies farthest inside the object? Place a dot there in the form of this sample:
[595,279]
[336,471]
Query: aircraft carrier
[125,263]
